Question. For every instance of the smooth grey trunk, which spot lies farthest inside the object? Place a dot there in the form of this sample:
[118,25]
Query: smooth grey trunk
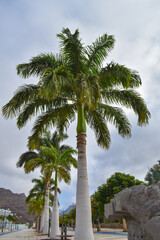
[84,229]
[55,217]
[42,221]
[46,211]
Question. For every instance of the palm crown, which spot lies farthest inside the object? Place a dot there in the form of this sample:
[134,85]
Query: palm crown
[75,81]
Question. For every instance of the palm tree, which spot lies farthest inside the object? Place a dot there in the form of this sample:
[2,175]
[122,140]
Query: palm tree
[153,175]
[38,192]
[60,162]
[75,81]
[35,157]
[50,159]
[36,207]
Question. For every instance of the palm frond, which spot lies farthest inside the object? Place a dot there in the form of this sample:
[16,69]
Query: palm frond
[22,96]
[53,80]
[60,117]
[117,117]
[38,64]
[98,51]
[33,164]
[25,157]
[96,122]
[64,175]
[118,75]
[72,50]
[130,99]
[49,152]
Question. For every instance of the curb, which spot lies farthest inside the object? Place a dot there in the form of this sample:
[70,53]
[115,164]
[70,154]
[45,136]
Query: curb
[113,233]
[8,232]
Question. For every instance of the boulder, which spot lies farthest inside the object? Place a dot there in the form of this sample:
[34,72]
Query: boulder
[140,206]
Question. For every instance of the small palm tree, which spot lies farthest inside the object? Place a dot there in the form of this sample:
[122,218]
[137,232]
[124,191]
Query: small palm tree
[61,160]
[38,192]
[36,207]
[50,159]
[75,81]
[31,158]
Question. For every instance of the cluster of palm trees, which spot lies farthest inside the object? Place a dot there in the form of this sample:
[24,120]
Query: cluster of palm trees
[50,157]
[76,84]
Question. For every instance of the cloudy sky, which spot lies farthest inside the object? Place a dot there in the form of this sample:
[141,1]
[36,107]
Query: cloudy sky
[29,27]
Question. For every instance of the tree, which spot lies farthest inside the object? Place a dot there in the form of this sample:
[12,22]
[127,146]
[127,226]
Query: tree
[50,159]
[36,207]
[31,160]
[76,82]
[153,175]
[61,162]
[38,193]
[116,183]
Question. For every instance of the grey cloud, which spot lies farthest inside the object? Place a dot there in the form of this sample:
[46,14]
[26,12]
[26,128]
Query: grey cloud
[30,27]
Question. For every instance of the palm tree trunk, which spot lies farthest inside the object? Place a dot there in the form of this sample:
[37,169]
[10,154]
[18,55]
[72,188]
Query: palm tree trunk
[46,208]
[55,213]
[42,221]
[83,204]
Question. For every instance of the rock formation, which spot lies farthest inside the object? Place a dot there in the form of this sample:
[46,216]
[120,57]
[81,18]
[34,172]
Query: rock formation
[140,206]
[16,203]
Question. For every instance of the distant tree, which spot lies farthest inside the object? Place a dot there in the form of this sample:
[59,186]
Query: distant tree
[153,175]
[36,207]
[68,218]
[116,183]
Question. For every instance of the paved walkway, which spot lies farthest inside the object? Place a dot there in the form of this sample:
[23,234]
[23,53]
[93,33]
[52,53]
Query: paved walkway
[30,234]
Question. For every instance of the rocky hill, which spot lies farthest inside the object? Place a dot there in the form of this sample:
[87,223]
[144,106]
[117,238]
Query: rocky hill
[16,203]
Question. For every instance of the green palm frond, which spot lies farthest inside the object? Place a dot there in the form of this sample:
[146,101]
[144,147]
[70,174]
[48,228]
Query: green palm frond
[130,99]
[117,117]
[49,152]
[118,75]
[22,96]
[96,122]
[72,50]
[33,164]
[31,109]
[66,157]
[60,117]
[52,81]
[38,64]
[98,51]
[64,175]
[30,197]
[25,157]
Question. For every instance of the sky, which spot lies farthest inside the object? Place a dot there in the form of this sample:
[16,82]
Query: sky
[28,28]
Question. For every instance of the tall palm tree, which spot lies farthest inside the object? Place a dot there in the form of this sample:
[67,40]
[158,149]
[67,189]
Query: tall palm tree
[75,81]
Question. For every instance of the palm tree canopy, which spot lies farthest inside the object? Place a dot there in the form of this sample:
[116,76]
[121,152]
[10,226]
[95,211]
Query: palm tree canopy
[38,190]
[50,157]
[76,81]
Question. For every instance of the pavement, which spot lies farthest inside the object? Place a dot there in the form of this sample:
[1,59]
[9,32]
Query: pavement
[31,234]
